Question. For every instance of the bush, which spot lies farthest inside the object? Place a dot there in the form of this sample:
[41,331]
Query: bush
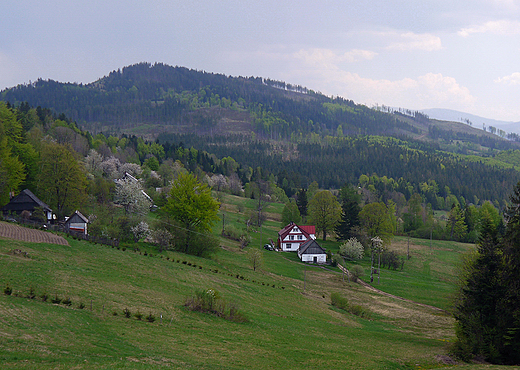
[127,313]
[8,290]
[210,301]
[352,250]
[339,301]
[138,315]
[56,299]
[44,297]
[150,318]
[81,305]
[67,302]
[358,311]
[391,260]
[356,272]
[31,294]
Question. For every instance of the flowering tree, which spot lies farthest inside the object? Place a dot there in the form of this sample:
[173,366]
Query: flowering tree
[352,250]
[129,193]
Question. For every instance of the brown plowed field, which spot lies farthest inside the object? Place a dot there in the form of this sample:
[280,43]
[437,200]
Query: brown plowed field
[12,231]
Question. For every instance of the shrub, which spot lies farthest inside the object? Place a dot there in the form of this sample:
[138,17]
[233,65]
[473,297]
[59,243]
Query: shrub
[150,318]
[210,301]
[67,302]
[358,311]
[391,260]
[339,301]
[235,314]
[31,294]
[356,272]
[56,299]
[8,290]
[114,313]
[44,297]
[81,305]
[127,313]
[138,315]
[352,250]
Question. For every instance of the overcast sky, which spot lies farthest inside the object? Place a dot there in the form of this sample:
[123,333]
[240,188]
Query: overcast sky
[415,54]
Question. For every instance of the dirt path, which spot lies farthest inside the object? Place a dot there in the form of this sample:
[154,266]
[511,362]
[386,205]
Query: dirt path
[375,290]
[12,231]
[370,287]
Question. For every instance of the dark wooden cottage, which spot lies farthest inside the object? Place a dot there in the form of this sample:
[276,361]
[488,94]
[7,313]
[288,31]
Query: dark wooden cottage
[26,201]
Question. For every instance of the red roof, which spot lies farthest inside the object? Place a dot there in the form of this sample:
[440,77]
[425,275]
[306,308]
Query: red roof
[304,229]
[309,229]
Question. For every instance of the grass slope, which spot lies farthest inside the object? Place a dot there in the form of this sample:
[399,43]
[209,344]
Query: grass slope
[291,322]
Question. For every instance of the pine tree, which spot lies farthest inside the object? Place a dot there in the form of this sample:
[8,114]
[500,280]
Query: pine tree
[349,212]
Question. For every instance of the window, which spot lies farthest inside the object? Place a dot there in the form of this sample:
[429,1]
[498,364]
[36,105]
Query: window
[300,237]
[288,246]
[291,237]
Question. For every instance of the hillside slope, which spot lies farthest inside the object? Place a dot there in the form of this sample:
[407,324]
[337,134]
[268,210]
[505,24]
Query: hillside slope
[150,99]
[307,333]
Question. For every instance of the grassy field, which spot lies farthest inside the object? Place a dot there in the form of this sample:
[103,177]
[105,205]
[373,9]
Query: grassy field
[291,324]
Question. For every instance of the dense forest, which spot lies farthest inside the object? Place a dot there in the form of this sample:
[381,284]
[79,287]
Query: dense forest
[161,98]
[236,134]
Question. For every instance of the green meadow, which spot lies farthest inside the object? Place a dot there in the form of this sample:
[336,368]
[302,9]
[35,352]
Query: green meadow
[291,323]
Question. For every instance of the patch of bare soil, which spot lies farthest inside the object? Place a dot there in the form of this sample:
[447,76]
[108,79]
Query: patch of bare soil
[12,231]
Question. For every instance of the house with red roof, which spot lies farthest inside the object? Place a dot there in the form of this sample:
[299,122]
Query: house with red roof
[292,236]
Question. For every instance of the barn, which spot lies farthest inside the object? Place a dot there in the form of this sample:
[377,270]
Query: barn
[27,201]
[311,251]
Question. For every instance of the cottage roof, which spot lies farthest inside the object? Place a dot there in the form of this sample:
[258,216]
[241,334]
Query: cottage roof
[311,246]
[310,229]
[23,199]
[77,216]
[287,229]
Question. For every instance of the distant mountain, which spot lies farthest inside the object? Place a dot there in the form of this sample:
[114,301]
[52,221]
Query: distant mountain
[477,122]
[152,99]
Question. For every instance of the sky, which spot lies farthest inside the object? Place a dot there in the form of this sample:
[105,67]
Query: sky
[460,55]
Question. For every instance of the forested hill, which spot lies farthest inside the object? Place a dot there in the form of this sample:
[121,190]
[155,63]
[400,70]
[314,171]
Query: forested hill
[150,99]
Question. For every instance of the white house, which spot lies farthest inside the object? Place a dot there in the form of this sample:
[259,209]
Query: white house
[311,251]
[292,236]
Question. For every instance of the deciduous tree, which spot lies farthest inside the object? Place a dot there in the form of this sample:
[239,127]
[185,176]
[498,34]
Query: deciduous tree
[62,180]
[376,221]
[324,212]
[291,213]
[191,205]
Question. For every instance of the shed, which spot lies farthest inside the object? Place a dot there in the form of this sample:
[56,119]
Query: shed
[77,223]
[27,201]
[311,251]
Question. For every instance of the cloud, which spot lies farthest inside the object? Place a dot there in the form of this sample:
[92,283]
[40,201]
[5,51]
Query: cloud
[501,27]
[414,41]
[328,57]
[414,93]
[512,79]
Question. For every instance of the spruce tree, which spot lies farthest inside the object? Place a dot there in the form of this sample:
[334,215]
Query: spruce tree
[349,212]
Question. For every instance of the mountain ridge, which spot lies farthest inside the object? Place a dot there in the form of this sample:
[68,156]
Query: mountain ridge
[477,121]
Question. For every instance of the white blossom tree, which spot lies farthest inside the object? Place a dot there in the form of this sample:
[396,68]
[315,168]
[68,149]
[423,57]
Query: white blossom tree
[140,231]
[129,193]
[352,250]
